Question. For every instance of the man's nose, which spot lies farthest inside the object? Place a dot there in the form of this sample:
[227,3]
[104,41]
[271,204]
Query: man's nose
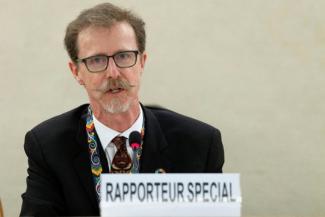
[112,69]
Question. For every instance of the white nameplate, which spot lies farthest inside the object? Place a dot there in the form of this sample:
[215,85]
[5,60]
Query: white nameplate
[170,195]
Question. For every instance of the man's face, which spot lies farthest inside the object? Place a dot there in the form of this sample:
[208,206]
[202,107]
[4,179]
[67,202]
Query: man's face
[105,89]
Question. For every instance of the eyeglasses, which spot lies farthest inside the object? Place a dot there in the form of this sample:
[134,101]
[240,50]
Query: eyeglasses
[99,63]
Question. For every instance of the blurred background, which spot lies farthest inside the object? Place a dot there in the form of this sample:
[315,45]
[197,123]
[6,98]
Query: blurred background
[254,69]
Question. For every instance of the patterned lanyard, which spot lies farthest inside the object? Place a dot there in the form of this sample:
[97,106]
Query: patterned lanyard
[96,167]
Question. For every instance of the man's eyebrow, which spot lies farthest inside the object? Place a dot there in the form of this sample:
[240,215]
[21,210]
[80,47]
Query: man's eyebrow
[104,54]
[123,50]
[94,55]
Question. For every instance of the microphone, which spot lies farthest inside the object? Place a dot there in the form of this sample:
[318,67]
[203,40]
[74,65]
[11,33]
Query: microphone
[135,143]
[135,140]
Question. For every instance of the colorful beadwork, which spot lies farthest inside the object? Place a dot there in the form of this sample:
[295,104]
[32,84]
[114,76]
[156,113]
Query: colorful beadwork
[96,167]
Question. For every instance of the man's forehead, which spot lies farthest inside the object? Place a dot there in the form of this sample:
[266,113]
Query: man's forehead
[122,30]
[122,25]
[90,30]
[120,35]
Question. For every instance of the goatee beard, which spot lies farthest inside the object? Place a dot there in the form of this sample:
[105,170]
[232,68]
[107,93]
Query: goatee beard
[116,106]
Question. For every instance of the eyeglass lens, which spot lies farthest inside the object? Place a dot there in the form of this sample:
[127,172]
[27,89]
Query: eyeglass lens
[99,63]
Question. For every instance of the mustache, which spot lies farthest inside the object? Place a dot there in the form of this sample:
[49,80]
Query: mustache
[115,84]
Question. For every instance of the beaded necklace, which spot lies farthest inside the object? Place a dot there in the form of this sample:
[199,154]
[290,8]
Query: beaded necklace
[96,167]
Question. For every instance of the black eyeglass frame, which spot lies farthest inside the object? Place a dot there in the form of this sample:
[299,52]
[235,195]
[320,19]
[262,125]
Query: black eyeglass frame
[83,60]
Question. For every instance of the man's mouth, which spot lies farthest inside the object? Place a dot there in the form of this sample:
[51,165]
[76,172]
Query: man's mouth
[115,90]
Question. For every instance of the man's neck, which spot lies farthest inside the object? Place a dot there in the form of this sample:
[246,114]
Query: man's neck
[119,121]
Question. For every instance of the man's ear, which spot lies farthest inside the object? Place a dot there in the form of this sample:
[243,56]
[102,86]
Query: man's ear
[75,72]
[143,60]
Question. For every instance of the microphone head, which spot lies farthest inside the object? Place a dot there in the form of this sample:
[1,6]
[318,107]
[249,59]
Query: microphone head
[135,140]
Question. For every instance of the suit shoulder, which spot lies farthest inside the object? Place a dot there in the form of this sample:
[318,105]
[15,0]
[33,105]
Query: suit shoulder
[62,122]
[171,119]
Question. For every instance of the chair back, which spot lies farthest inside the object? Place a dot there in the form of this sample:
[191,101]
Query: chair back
[1,210]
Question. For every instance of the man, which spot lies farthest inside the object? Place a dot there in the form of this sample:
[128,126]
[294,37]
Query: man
[67,154]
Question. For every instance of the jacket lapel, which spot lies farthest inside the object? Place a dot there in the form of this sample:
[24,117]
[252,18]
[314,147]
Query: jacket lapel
[155,154]
[82,162]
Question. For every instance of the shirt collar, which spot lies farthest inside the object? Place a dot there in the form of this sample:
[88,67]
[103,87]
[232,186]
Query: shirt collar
[106,134]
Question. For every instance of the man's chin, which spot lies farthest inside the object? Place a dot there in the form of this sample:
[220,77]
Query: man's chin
[116,107]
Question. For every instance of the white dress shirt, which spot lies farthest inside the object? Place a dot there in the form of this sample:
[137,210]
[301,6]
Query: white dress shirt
[106,135]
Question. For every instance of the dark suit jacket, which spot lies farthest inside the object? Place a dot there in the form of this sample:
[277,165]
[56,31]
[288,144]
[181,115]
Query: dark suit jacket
[59,178]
